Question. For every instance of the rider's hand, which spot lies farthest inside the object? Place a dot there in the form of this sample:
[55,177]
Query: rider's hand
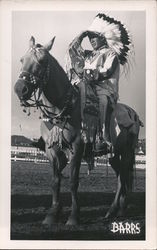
[82,35]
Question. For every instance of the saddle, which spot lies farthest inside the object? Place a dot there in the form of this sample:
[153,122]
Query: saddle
[118,116]
[89,112]
[124,117]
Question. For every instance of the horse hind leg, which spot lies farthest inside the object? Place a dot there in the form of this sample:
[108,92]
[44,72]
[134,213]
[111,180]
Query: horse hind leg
[113,210]
[126,180]
[123,166]
[57,166]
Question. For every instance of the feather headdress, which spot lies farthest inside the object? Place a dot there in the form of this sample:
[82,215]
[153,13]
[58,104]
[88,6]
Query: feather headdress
[116,34]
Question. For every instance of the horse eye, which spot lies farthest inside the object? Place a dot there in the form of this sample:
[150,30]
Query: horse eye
[21,60]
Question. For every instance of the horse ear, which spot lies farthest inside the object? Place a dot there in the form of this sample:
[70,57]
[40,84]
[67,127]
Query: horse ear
[49,45]
[31,42]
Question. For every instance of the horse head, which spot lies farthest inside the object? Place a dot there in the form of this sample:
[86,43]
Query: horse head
[41,71]
[34,69]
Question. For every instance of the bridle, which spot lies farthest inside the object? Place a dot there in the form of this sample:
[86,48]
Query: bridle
[37,84]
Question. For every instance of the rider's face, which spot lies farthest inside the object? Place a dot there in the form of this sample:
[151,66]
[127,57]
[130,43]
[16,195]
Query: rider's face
[96,42]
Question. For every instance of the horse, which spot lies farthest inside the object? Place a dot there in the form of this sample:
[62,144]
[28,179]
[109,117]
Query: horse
[44,84]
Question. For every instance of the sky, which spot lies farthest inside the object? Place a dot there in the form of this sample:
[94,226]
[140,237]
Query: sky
[65,25]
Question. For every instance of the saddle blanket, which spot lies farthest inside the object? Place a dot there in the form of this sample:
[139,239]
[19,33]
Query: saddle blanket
[123,116]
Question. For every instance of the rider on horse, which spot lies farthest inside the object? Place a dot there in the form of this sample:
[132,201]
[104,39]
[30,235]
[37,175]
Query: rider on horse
[96,74]
[43,84]
[100,68]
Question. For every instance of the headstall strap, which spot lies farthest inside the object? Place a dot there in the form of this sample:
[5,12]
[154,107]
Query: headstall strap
[35,101]
[36,82]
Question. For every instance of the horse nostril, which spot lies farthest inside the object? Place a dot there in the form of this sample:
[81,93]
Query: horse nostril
[25,90]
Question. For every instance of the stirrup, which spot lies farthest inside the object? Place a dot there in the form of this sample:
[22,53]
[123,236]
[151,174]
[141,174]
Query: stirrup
[109,146]
[103,147]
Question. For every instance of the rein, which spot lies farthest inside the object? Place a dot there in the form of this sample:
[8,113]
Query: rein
[38,103]
[50,116]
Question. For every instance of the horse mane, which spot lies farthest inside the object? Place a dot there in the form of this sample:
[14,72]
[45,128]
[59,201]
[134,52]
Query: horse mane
[60,70]
[58,83]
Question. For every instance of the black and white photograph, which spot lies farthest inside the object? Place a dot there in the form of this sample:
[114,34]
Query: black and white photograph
[79,153]
[78,135]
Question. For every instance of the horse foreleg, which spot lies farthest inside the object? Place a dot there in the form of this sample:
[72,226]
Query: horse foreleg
[53,213]
[74,183]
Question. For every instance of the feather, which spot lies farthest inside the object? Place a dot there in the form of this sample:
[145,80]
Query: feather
[116,33]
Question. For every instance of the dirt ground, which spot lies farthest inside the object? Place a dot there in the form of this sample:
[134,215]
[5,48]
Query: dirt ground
[31,199]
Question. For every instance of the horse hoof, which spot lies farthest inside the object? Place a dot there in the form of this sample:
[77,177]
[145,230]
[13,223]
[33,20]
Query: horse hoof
[52,216]
[49,221]
[108,216]
[121,213]
[72,222]
[111,213]
[46,223]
